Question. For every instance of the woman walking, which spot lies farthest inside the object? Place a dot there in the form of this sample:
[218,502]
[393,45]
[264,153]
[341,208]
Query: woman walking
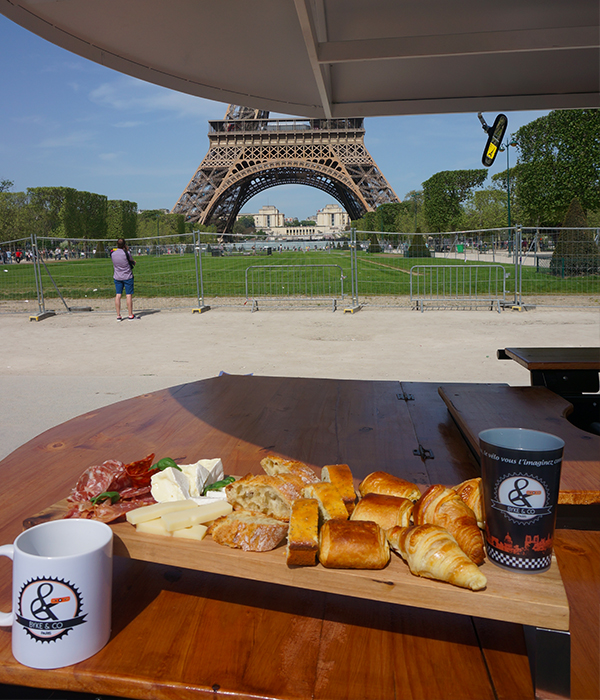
[123,265]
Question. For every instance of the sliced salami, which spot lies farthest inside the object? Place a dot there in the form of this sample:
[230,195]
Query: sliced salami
[95,480]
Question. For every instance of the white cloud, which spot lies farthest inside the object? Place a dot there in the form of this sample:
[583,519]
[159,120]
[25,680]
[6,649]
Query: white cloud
[77,138]
[128,94]
[108,156]
[128,125]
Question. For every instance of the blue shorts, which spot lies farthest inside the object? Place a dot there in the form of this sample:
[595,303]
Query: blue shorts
[127,284]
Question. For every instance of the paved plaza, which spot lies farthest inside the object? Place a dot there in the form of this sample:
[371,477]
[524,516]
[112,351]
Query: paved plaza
[58,368]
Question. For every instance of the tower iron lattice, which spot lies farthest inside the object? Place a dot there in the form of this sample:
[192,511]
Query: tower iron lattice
[249,153]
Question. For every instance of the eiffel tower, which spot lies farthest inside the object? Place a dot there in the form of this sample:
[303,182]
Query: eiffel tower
[249,153]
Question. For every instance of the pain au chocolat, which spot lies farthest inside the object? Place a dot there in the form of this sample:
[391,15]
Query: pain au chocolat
[389,485]
[386,511]
[353,544]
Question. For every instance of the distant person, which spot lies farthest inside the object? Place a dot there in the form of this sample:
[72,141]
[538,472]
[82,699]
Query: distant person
[123,275]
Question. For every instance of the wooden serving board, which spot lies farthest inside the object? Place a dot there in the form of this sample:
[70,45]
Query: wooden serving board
[538,600]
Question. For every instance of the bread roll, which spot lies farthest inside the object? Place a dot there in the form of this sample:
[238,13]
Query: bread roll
[340,476]
[248,531]
[276,466]
[382,482]
[353,544]
[331,505]
[471,492]
[431,551]
[303,533]
[444,507]
[269,495]
[386,511]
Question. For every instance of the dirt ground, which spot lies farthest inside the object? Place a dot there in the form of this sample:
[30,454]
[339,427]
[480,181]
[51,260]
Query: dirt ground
[71,363]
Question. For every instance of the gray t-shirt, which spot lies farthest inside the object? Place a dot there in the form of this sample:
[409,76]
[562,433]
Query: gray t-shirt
[122,269]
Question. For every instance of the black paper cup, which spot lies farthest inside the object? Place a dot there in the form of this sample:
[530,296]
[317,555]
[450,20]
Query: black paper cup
[520,472]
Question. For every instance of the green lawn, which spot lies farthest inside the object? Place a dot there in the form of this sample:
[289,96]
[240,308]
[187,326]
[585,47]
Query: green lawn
[175,276]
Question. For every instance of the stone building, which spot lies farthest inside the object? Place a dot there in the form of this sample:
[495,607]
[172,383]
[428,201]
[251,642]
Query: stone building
[332,220]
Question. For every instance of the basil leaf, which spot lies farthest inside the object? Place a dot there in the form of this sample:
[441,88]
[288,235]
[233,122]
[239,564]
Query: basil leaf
[218,485]
[165,463]
[100,498]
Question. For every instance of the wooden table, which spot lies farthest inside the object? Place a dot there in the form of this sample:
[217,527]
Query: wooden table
[181,633]
[563,370]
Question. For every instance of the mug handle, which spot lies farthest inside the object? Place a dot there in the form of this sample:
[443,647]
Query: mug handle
[6,619]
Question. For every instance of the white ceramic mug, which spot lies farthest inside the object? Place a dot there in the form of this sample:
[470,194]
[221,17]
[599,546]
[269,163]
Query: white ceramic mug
[61,592]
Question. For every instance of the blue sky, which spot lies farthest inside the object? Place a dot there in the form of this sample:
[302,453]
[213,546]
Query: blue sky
[66,121]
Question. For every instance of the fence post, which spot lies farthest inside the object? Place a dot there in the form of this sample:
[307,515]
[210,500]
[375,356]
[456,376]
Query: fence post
[37,274]
[519,266]
[199,277]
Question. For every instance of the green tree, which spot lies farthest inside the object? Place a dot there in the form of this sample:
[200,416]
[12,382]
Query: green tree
[5,185]
[559,159]
[12,225]
[483,209]
[576,252]
[245,225]
[443,194]
[418,248]
[121,219]
[410,217]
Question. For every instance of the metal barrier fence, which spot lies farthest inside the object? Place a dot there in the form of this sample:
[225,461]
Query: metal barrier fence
[467,286]
[314,283]
[553,267]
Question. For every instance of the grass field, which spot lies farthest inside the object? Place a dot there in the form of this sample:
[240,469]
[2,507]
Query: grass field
[175,276]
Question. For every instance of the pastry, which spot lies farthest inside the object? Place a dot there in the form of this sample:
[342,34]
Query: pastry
[386,511]
[341,477]
[275,466]
[444,507]
[471,492]
[303,534]
[331,505]
[432,552]
[269,495]
[251,532]
[353,544]
[382,482]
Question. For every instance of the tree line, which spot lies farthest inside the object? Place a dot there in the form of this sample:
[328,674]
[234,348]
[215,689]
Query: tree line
[64,212]
[558,162]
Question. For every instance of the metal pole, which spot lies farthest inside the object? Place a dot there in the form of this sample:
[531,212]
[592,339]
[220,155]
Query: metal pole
[37,274]
[352,239]
[196,252]
[355,270]
[520,237]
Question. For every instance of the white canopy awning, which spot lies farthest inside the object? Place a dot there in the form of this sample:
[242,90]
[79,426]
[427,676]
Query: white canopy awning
[340,58]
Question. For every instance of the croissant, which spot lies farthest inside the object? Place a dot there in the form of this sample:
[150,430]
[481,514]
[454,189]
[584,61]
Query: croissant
[432,552]
[444,507]
[471,493]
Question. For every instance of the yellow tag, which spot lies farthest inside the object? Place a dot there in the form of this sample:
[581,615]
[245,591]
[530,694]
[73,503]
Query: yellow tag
[492,151]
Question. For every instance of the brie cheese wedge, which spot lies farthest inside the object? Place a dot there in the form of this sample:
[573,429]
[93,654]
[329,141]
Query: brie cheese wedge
[169,485]
[201,474]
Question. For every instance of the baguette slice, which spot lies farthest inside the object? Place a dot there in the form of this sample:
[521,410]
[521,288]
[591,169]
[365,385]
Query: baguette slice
[276,466]
[303,534]
[386,511]
[251,532]
[341,477]
[269,495]
[331,505]
[353,544]
[382,482]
